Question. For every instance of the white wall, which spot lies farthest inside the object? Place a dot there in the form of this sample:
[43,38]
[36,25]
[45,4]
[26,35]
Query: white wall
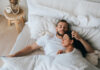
[5,3]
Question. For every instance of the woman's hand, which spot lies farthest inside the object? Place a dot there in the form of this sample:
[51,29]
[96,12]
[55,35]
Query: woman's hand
[60,52]
[75,35]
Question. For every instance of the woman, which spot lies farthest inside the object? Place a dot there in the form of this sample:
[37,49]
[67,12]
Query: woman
[72,57]
[70,43]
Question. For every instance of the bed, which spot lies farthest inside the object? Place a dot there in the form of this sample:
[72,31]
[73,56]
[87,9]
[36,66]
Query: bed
[82,15]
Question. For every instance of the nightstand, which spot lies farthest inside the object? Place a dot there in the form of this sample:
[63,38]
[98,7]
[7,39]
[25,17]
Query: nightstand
[17,19]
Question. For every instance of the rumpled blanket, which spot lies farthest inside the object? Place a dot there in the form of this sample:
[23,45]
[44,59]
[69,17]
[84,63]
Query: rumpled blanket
[66,61]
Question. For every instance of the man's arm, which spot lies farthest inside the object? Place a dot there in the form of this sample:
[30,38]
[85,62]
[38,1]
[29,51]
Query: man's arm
[26,50]
[88,48]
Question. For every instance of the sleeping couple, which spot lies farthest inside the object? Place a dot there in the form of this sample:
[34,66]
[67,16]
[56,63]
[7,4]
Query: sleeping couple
[65,41]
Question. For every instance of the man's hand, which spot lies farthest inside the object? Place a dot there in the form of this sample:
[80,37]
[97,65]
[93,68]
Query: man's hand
[88,48]
[25,51]
[75,35]
[60,52]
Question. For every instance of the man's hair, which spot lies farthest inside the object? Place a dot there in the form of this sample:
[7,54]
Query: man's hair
[62,20]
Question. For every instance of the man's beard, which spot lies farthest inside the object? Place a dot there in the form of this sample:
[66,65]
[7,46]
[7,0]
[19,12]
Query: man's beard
[60,34]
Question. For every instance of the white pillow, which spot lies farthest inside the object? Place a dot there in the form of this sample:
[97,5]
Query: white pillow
[73,7]
[92,35]
[87,8]
[35,6]
[83,13]
[39,25]
[84,18]
[88,22]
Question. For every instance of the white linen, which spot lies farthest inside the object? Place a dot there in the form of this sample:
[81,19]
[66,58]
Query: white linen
[74,7]
[19,63]
[23,39]
[44,25]
[25,60]
[72,61]
[92,35]
[67,61]
[47,24]
[98,1]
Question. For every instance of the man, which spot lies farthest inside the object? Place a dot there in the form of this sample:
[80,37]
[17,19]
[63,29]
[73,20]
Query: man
[51,44]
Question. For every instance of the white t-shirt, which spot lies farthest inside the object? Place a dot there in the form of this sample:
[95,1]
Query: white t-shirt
[50,44]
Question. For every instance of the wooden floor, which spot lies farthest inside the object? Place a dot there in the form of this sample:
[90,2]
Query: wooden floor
[8,37]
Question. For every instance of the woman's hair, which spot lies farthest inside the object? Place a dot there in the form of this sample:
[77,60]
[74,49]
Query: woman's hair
[77,44]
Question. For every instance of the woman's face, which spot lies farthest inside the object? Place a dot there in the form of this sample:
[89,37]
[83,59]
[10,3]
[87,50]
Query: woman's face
[66,41]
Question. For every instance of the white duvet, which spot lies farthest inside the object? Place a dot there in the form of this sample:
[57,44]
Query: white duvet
[67,61]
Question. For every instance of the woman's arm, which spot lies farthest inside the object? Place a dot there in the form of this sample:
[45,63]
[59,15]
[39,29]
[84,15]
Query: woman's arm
[25,51]
[88,48]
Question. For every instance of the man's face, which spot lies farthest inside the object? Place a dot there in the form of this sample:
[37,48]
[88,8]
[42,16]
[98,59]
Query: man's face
[61,28]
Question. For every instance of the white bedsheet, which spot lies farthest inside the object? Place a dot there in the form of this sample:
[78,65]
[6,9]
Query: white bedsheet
[29,62]
[69,61]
